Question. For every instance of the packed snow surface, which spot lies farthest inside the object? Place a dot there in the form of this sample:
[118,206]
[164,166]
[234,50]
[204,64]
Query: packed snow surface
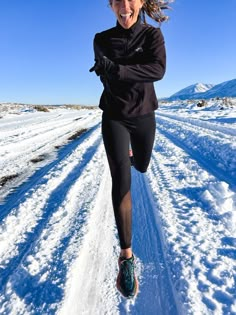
[58,240]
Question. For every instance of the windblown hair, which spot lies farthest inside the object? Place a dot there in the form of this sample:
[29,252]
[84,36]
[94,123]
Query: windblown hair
[154,9]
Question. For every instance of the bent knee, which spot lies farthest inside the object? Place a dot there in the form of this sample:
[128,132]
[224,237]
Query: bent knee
[141,169]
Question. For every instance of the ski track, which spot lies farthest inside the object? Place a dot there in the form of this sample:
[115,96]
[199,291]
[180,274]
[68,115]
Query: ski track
[61,256]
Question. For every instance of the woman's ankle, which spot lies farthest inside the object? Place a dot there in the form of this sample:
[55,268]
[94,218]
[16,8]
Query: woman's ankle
[126,253]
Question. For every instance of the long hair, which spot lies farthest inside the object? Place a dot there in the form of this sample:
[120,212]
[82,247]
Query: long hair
[154,9]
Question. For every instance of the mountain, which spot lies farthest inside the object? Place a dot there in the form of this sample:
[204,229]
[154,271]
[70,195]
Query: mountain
[205,91]
[191,90]
[225,89]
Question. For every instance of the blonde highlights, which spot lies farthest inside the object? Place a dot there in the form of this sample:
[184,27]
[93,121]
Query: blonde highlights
[154,9]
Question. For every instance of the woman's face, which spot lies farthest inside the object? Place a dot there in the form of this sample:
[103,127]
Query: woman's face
[126,11]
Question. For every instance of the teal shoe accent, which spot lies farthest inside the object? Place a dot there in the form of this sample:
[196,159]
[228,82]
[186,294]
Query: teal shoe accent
[127,283]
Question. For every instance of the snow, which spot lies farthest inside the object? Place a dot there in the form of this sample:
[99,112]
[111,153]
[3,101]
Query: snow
[192,89]
[58,240]
[206,91]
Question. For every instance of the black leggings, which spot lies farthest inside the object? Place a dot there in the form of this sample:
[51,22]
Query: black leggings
[117,135]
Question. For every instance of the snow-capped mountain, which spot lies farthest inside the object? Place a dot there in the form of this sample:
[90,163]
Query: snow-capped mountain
[200,90]
[225,89]
[191,90]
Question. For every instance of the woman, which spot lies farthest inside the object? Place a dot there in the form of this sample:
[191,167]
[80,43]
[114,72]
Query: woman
[129,58]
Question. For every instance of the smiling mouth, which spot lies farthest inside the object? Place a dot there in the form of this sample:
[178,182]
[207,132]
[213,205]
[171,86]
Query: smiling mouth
[126,15]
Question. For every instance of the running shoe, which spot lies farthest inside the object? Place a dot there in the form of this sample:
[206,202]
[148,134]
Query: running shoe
[127,282]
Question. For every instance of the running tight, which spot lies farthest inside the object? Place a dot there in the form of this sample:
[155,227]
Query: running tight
[117,135]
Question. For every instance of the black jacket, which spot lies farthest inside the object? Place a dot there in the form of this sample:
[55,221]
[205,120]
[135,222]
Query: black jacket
[140,54]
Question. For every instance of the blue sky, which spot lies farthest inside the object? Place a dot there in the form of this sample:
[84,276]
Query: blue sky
[46,48]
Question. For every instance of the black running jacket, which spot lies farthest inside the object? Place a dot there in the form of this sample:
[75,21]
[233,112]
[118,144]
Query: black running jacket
[140,55]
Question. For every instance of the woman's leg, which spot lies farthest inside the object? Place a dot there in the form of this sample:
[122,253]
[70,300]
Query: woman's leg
[142,139]
[116,140]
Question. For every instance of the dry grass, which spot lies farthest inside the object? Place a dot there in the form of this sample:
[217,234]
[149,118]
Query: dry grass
[41,108]
[38,159]
[7,178]
[77,134]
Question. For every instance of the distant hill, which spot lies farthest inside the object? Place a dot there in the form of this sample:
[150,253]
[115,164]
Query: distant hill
[205,91]
[192,90]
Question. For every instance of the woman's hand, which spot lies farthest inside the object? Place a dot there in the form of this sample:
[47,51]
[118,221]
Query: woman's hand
[104,66]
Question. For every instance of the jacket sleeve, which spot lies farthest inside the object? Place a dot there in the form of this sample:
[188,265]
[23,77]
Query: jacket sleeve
[99,52]
[154,65]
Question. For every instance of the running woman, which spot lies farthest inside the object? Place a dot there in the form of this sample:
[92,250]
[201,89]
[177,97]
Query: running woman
[128,59]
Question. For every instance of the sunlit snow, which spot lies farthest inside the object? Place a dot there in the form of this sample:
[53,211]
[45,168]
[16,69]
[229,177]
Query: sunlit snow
[58,240]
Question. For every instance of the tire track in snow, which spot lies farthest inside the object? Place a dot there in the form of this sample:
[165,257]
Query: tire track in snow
[217,156]
[218,129]
[40,203]
[10,125]
[51,129]
[172,246]
[156,293]
[33,144]
[93,275]
[196,232]
[90,287]
[16,136]
[33,124]
[22,192]
[47,263]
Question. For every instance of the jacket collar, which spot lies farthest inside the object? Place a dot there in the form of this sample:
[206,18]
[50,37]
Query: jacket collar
[132,30]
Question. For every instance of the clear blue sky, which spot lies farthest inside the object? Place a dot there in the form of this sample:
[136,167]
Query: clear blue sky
[46,48]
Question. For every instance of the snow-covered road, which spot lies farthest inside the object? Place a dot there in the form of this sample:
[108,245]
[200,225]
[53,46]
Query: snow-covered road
[58,241]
